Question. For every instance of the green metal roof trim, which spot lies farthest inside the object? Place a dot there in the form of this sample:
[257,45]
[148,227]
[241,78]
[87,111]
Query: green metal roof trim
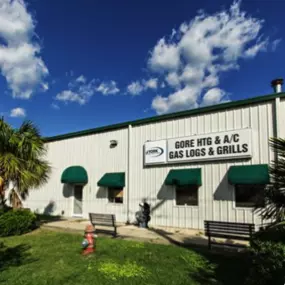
[115,179]
[181,177]
[249,174]
[74,175]
[182,114]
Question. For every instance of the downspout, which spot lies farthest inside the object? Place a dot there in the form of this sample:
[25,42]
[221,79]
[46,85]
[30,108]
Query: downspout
[277,87]
[129,171]
[276,117]
[276,84]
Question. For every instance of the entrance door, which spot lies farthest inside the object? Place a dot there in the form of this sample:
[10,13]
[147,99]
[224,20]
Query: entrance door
[77,202]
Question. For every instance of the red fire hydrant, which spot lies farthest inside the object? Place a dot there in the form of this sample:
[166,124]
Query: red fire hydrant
[89,242]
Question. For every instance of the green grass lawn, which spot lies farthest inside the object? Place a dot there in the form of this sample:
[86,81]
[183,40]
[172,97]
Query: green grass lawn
[48,257]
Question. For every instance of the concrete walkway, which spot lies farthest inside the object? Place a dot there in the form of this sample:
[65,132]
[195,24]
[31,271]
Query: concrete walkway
[131,232]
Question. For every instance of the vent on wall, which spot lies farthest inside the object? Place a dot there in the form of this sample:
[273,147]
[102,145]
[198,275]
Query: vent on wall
[113,143]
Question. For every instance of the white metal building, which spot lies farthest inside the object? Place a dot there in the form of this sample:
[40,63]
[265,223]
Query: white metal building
[114,168]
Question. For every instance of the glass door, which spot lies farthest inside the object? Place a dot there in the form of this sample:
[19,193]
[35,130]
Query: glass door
[77,202]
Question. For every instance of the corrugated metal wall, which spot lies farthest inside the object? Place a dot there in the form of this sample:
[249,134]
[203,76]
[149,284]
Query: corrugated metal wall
[216,196]
[282,118]
[93,152]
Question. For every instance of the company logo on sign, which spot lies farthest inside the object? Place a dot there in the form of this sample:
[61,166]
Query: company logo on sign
[212,146]
[155,151]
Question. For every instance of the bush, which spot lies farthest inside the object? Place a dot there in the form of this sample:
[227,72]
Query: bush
[4,208]
[267,263]
[17,222]
[274,233]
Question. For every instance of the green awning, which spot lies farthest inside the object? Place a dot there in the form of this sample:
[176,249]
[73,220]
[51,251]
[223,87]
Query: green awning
[182,177]
[74,175]
[116,180]
[249,174]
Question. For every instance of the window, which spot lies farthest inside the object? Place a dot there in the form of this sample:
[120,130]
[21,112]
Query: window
[187,195]
[249,196]
[115,195]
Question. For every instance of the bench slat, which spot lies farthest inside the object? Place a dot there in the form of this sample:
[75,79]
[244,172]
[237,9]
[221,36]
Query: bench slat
[210,234]
[102,216]
[230,225]
[103,223]
[228,230]
[108,220]
[105,217]
[226,236]
[214,232]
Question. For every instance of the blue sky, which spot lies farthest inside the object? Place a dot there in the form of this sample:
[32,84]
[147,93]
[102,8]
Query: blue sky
[93,63]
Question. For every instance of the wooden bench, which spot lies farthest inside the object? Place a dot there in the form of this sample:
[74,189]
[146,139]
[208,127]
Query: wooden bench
[106,220]
[235,231]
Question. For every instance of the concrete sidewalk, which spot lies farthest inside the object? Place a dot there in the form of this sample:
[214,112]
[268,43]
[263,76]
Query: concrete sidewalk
[131,232]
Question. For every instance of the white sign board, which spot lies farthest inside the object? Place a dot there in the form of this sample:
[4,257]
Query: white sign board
[155,152]
[215,146]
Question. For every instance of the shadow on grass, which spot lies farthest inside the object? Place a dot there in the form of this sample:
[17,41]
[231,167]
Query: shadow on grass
[229,267]
[45,218]
[223,266]
[14,256]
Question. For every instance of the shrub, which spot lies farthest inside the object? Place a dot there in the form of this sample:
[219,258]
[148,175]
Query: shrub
[4,208]
[274,233]
[17,222]
[267,263]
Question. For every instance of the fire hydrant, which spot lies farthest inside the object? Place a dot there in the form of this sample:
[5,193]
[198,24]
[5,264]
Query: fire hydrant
[89,242]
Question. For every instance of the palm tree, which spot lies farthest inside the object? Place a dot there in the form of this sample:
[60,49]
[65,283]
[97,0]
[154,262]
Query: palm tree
[22,162]
[275,192]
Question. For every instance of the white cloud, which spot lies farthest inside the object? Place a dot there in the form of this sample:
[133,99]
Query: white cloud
[45,86]
[254,50]
[20,62]
[80,91]
[275,44]
[176,101]
[76,82]
[192,75]
[18,112]
[70,96]
[151,83]
[173,80]
[108,88]
[193,57]
[213,96]
[135,88]
[164,57]
[55,106]
[81,79]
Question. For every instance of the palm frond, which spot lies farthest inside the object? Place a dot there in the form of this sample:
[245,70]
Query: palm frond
[29,128]
[22,153]
[275,192]
[278,146]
